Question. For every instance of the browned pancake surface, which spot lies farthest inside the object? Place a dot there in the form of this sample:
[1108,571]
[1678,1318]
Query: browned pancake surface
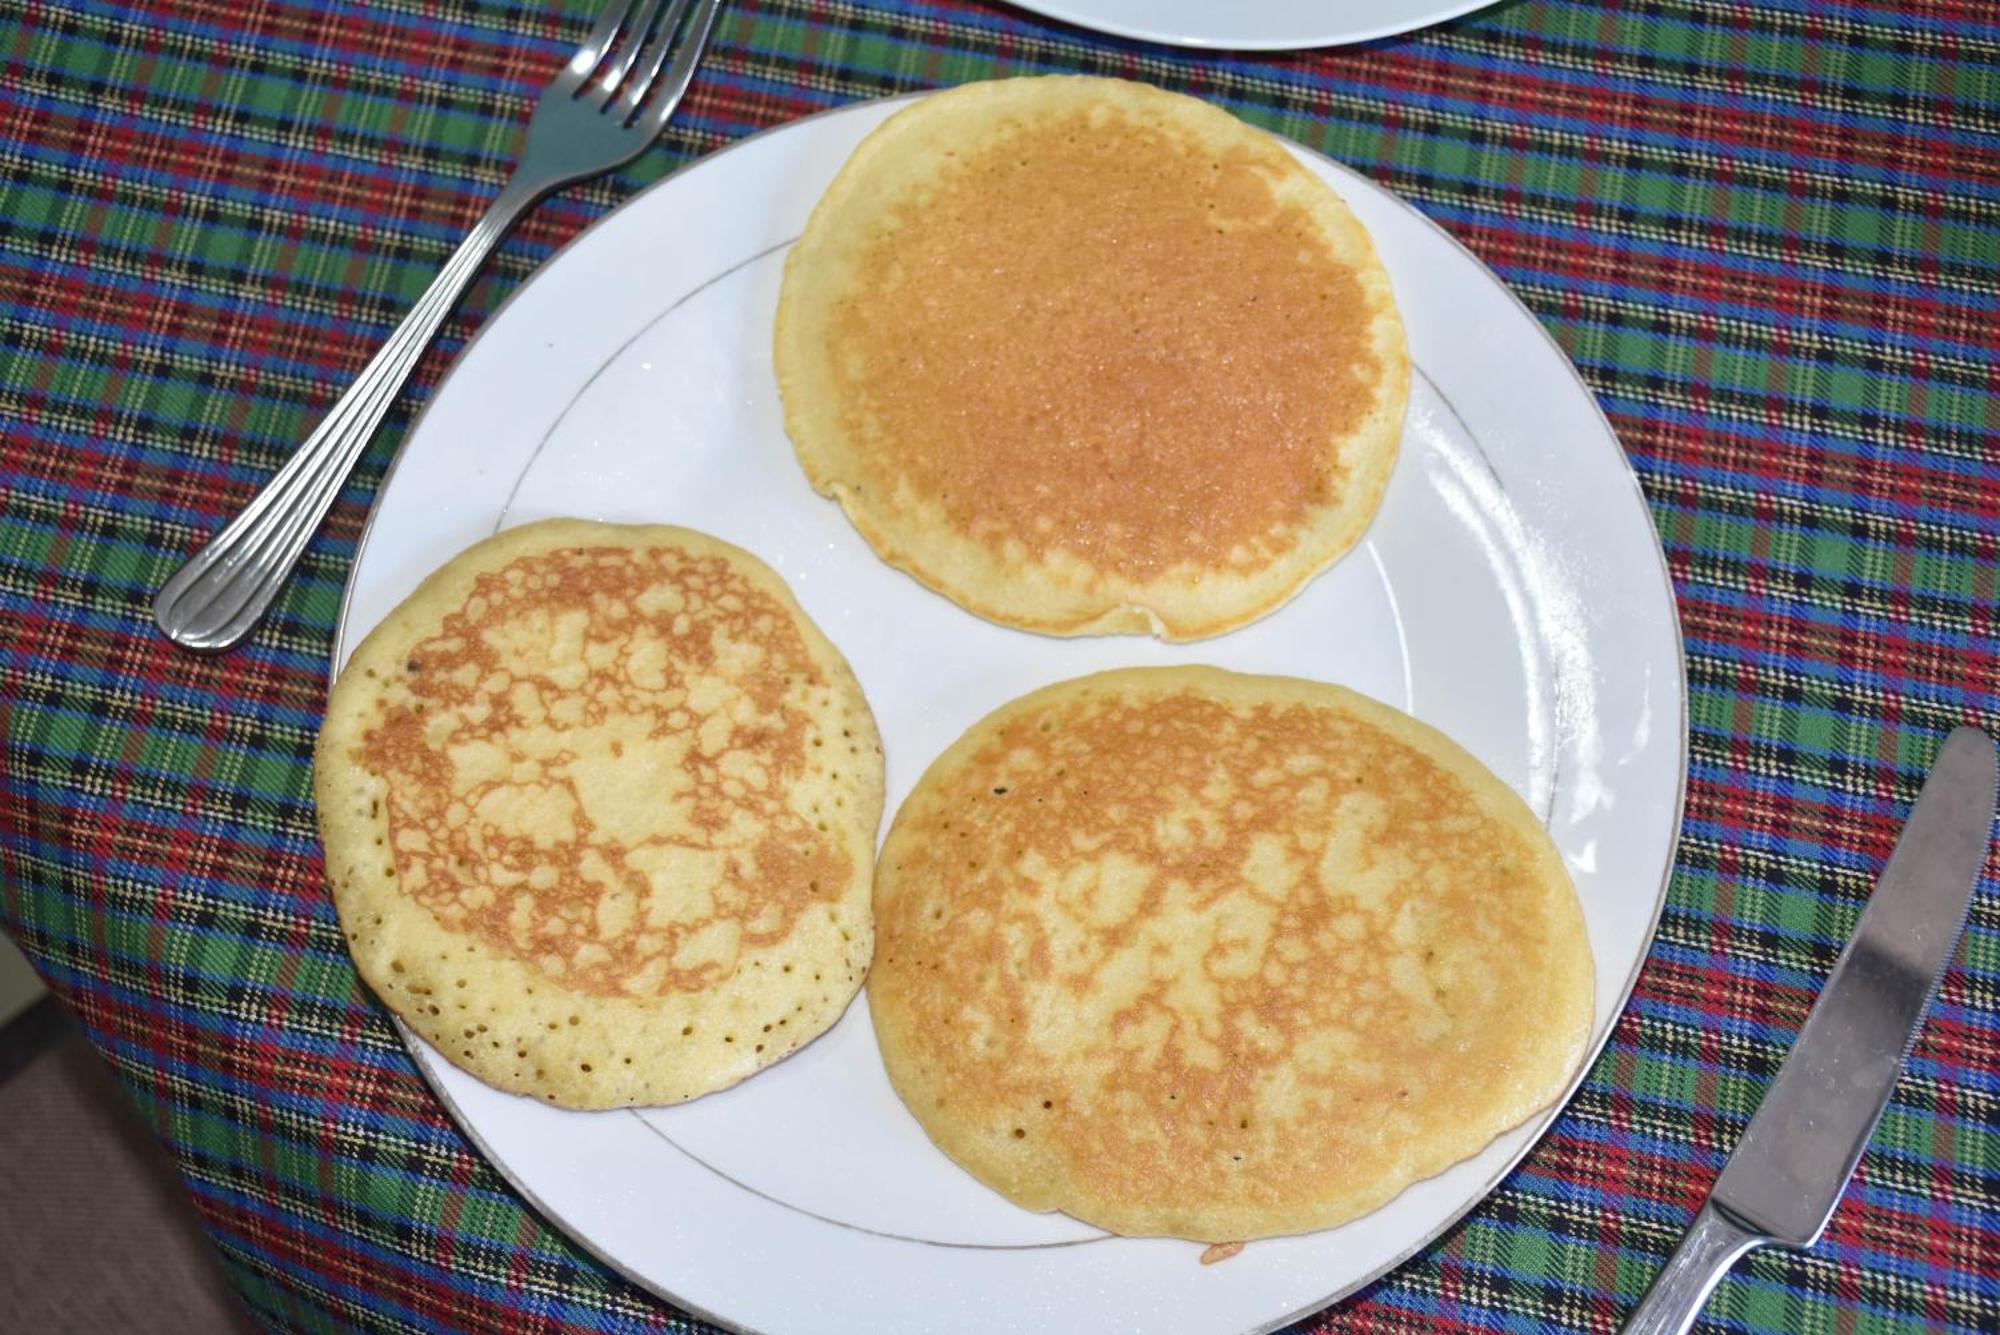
[599,804]
[531,796]
[1184,952]
[1087,356]
[1093,341]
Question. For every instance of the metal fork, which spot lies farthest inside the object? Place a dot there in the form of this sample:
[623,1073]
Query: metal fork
[599,112]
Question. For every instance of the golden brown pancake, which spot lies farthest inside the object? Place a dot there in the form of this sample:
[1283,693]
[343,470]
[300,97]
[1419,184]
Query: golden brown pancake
[1184,952]
[599,805]
[1088,357]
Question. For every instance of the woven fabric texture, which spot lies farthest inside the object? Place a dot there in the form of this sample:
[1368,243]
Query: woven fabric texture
[1767,235]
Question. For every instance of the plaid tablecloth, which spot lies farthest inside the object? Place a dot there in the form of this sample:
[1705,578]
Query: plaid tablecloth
[1766,233]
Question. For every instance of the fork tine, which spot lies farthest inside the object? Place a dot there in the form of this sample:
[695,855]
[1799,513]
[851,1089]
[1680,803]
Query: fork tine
[634,35]
[593,47]
[655,56]
[660,101]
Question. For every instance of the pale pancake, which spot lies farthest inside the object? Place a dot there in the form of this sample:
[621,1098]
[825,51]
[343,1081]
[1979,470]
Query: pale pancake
[1089,357]
[599,805]
[1184,952]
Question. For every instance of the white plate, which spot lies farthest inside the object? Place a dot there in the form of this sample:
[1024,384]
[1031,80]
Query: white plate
[1511,592]
[1254,25]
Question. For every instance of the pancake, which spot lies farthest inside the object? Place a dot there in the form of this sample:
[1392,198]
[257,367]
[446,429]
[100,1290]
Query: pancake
[1091,357]
[599,806]
[1178,951]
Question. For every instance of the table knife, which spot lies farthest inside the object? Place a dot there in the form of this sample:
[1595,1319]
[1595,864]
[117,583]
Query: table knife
[1787,1173]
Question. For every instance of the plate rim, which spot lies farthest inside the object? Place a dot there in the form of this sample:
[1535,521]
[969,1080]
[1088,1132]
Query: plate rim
[1078,15]
[340,647]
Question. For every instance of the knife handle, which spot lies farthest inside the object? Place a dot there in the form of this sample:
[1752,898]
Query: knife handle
[1710,1247]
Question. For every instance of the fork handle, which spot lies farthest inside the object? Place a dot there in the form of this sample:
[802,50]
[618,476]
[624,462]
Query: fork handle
[214,600]
[1713,1243]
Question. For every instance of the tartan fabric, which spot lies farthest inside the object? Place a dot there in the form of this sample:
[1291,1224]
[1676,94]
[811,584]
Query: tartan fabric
[1766,234]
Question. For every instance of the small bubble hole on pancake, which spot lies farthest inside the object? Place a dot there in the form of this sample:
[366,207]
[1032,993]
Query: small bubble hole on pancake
[1185,952]
[1087,356]
[599,805]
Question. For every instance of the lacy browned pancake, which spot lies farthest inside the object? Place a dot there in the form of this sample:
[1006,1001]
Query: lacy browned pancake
[1087,356]
[599,805]
[1184,952]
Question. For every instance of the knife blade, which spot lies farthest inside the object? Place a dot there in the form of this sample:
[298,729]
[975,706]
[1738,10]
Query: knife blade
[1787,1173]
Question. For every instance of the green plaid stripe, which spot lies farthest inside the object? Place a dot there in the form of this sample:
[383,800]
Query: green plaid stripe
[1765,235]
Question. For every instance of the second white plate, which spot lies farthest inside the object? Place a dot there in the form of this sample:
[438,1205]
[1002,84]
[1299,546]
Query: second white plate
[1259,25]
[1511,592]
